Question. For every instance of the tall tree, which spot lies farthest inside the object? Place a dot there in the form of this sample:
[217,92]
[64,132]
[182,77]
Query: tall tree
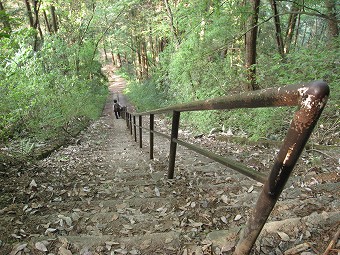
[54,19]
[278,33]
[48,26]
[29,13]
[251,41]
[333,29]
[172,26]
[291,26]
[5,20]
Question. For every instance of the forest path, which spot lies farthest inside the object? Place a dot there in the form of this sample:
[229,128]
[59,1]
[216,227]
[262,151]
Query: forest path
[104,196]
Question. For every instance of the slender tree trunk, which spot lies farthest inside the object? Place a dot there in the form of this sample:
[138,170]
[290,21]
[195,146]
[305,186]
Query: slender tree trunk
[172,26]
[34,21]
[139,60]
[278,33]
[291,27]
[119,60]
[145,62]
[162,44]
[333,29]
[47,23]
[36,24]
[251,39]
[29,13]
[297,30]
[5,20]
[54,19]
[105,53]
[113,58]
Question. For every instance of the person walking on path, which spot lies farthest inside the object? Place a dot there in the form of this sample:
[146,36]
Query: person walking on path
[116,108]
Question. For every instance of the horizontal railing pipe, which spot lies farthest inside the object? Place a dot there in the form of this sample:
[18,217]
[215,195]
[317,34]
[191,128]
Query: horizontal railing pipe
[239,167]
[273,97]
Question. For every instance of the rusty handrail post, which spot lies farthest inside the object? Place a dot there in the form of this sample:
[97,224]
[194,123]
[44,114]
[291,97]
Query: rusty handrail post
[130,122]
[173,144]
[127,119]
[312,101]
[140,131]
[134,128]
[152,127]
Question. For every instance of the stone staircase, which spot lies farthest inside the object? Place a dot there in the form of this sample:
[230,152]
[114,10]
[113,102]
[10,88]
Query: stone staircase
[103,196]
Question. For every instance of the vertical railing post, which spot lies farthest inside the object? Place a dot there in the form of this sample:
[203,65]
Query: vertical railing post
[313,100]
[130,122]
[173,144]
[140,132]
[152,127]
[127,119]
[134,128]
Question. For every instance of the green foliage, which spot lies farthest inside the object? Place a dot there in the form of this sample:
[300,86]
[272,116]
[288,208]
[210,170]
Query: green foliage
[145,95]
[43,92]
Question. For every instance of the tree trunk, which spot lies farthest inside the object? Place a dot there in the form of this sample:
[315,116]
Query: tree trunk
[278,33]
[47,23]
[5,20]
[29,13]
[36,24]
[139,60]
[172,26]
[144,56]
[105,53]
[54,19]
[291,27]
[333,29]
[113,58]
[297,30]
[119,60]
[251,38]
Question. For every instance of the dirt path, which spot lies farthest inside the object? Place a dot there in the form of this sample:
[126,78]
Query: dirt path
[116,86]
[104,196]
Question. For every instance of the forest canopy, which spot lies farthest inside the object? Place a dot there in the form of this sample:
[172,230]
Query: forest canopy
[169,51]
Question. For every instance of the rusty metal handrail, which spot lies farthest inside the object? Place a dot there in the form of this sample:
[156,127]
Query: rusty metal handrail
[311,99]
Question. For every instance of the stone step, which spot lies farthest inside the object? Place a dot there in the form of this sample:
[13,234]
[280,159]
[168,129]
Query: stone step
[148,243]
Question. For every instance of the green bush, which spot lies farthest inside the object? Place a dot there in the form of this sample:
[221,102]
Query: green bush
[43,92]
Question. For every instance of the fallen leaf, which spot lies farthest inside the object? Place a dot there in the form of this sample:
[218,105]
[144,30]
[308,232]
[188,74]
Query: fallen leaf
[134,252]
[297,249]
[224,199]
[68,220]
[40,246]
[251,189]
[16,236]
[284,236]
[224,219]
[157,192]
[75,216]
[50,230]
[115,216]
[168,240]
[121,251]
[64,251]
[33,184]
[237,217]
[17,248]
[145,244]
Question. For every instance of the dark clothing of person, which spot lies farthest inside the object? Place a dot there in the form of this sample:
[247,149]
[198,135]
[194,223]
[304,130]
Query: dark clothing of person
[116,109]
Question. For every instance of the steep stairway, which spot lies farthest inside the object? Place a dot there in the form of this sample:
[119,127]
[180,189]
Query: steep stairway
[102,195]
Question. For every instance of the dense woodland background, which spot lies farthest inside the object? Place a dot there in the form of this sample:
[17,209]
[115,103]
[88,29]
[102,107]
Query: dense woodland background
[51,83]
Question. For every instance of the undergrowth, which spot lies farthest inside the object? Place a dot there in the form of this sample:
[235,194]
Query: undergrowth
[43,93]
